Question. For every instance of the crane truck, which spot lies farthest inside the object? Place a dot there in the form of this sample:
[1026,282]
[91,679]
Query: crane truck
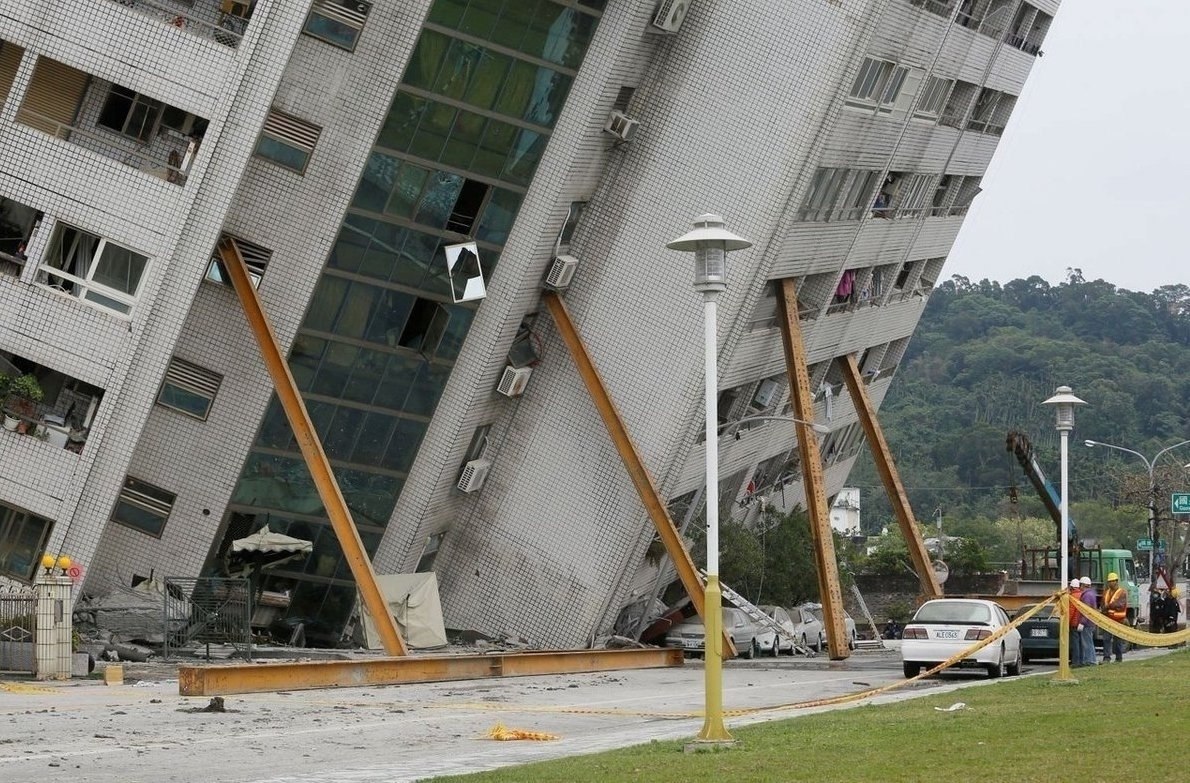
[1040,568]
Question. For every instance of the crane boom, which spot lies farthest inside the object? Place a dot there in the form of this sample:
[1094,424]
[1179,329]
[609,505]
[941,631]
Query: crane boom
[1020,446]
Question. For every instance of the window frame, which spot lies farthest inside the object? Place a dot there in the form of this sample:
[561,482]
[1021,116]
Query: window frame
[276,117]
[87,284]
[936,91]
[13,518]
[194,388]
[139,487]
[878,85]
[153,107]
[362,8]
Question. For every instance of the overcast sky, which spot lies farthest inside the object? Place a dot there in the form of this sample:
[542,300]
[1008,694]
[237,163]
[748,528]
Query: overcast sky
[1091,170]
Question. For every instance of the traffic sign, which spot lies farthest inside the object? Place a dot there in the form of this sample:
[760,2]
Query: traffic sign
[1180,502]
[1146,545]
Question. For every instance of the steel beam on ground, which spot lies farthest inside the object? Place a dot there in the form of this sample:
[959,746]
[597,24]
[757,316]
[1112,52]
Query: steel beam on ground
[311,448]
[815,485]
[641,478]
[887,468]
[308,675]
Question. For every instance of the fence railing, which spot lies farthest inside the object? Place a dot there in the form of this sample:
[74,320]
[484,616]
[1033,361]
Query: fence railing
[207,611]
[228,31]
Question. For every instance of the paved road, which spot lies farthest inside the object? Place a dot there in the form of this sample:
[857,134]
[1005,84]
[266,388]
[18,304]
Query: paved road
[146,732]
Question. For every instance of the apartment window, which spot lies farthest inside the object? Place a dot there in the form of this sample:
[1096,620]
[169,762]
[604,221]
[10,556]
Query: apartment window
[623,99]
[92,268]
[916,190]
[338,22]
[884,84]
[429,552]
[573,215]
[764,316]
[188,388]
[17,223]
[933,97]
[143,506]
[256,258]
[425,326]
[129,113]
[287,141]
[22,540]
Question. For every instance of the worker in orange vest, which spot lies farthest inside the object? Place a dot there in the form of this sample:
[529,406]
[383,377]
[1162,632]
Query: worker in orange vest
[1115,606]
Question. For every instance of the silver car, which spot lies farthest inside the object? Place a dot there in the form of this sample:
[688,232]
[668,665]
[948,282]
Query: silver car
[690,634]
[801,629]
[848,624]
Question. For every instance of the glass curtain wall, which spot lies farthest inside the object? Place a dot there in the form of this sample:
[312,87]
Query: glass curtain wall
[458,148]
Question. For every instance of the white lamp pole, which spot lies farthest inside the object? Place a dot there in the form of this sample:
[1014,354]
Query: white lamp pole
[710,241]
[1064,402]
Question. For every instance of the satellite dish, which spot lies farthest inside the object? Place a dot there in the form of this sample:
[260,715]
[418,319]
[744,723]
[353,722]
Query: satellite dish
[941,571]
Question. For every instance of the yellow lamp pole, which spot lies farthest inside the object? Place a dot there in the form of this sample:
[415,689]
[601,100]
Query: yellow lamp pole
[710,241]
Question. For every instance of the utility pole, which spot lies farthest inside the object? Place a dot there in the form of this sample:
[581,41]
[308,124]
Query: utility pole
[941,540]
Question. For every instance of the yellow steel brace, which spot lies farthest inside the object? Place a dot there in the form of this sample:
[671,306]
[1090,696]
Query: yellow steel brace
[813,482]
[311,447]
[887,468]
[641,478]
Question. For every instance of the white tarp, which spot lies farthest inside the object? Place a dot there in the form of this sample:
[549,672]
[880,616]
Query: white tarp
[413,601]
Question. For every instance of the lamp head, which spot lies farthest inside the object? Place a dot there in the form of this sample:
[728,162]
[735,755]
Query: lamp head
[47,562]
[710,242]
[1064,402]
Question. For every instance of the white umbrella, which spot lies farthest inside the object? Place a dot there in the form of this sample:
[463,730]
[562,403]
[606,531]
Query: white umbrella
[265,548]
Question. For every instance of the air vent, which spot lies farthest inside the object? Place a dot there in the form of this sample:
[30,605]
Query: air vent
[670,14]
[474,474]
[514,380]
[561,272]
[621,126]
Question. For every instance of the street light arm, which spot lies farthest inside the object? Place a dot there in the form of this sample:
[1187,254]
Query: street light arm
[1168,448]
[1149,465]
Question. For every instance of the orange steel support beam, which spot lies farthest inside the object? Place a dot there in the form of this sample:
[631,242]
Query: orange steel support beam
[887,468]
[267,677]
[637,471]
[307,438]
[813,482]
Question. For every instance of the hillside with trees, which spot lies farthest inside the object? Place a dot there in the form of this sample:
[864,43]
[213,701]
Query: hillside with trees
[985,356]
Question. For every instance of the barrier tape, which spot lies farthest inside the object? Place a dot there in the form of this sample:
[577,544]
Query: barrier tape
[1143,638]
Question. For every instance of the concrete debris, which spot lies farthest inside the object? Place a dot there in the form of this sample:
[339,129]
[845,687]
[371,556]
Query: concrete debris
[616,642]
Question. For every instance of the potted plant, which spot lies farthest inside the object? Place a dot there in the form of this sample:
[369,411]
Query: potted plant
[23,392]
[10,421]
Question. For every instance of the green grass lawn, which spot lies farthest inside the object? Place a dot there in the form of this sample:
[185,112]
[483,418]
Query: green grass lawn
[1117,721]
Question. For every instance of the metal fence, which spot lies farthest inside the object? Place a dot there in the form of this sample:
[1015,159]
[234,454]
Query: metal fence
[18,629]
[199,613]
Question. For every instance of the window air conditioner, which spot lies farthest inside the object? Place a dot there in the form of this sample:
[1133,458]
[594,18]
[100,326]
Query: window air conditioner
[621,126]
[766,392]
[474,474]
[670,14]
[560,273]
[514,380]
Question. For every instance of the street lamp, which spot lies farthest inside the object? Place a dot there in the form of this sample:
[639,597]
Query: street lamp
[710,242]
[1151,465]
[1064,402]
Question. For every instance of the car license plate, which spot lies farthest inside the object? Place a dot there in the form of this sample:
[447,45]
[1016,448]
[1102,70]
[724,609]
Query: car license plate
[693,644]
[1042,632]
[947,634]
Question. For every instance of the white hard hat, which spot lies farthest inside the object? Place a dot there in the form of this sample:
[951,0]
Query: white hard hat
[1074,583]
[1085,580]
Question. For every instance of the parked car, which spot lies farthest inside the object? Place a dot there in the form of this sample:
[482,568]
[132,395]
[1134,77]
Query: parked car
[945,627]
[690,634]
[801,628]
[848,624]
[1039,634]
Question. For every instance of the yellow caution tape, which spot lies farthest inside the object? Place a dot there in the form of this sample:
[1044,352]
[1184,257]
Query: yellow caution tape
[1143,638]
[503,733]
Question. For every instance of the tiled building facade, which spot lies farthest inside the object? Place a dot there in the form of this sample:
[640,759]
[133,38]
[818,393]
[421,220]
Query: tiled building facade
[345,144]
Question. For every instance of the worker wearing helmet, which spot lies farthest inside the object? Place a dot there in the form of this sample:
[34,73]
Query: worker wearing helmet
[1089,598]
[1076,626]
[1115,606]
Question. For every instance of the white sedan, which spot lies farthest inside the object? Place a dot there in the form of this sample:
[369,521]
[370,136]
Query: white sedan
[802,630]
[945,627]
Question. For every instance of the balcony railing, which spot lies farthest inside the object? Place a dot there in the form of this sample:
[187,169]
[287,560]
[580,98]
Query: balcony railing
[225,24]
[171,166]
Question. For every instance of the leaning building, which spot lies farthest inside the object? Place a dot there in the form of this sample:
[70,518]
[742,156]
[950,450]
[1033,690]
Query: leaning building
[344,144]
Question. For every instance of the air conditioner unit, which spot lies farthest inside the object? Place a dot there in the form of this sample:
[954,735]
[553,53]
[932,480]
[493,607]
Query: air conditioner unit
[474,474]
[561,272]
[514,380]
[670,14]
[621,126]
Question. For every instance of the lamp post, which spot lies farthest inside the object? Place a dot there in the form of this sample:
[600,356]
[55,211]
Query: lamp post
[1064,402]
[1150,465]
[710,242]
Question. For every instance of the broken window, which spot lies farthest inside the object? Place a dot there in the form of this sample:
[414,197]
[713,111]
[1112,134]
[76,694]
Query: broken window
[129,113]
[424,327]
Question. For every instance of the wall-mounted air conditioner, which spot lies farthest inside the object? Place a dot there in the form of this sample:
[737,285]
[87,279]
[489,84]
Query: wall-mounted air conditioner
[669,15]
[560,273]
[621,126]
[514,380]
[474,474]
[766,393]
